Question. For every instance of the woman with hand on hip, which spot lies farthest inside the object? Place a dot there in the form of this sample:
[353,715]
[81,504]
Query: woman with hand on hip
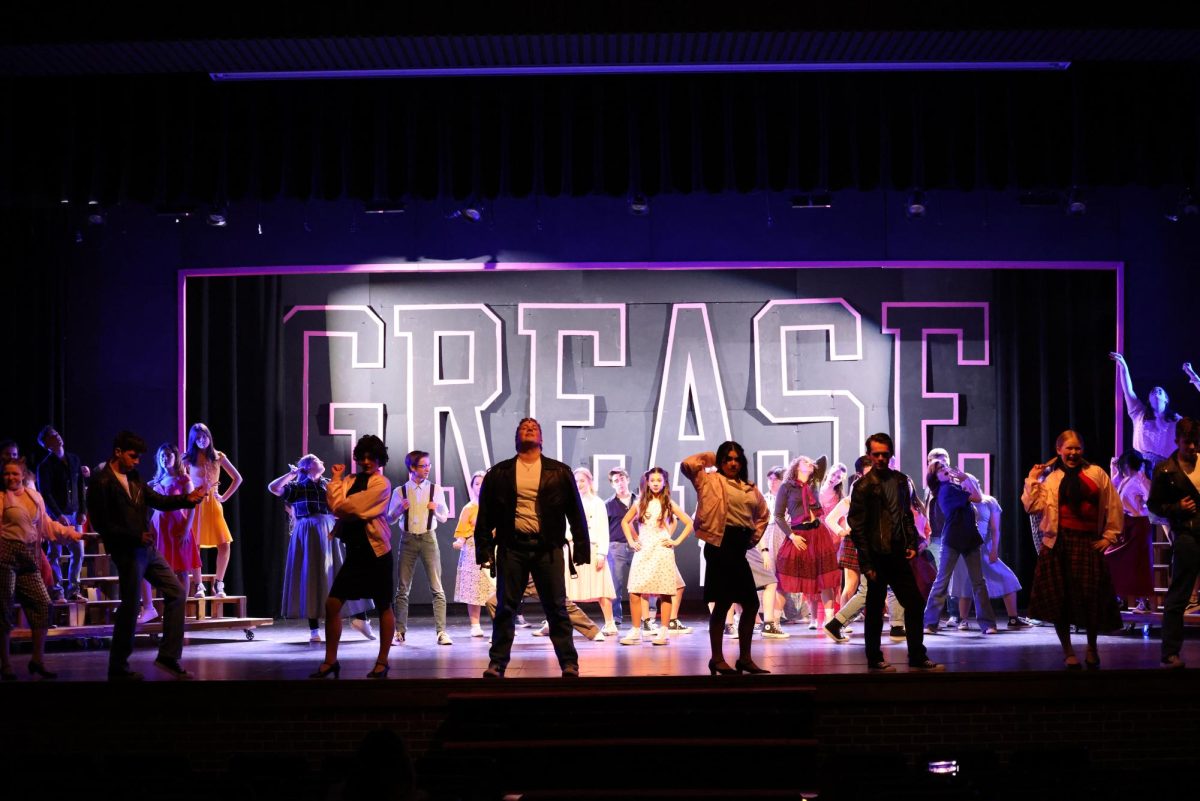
[207,524]
[653,571]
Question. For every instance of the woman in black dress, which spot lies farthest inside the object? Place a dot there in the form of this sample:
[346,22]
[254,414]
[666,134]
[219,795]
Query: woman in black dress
[359,503]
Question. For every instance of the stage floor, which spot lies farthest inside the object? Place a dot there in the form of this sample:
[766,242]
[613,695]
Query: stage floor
[282,652]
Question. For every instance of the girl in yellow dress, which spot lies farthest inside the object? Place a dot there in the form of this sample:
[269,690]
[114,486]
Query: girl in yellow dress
[206,524]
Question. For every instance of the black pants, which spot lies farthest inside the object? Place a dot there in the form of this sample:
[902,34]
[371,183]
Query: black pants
[894,571]
[514,567]
[132,566]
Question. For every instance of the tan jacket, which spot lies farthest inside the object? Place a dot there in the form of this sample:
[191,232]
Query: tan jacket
[371,505]
[1042,498]
[709,520]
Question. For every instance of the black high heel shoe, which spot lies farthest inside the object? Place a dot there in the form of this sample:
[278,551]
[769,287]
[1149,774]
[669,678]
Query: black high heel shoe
[722,667]
[748,666]
[376,673]
[1090,663]
[37,668]
[326,669]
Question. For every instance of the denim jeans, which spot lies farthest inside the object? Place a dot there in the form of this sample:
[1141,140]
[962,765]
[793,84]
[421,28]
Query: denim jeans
[620,557]
[937,594]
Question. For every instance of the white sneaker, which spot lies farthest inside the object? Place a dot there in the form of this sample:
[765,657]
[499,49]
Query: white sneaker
[544,631]
[444,638]
[599,637]
[219,589]
[521,623]
[199,593]
[609,630]
[363,627]
[314,635]
[634,637]
[476,631]
[660,638]
[148,614]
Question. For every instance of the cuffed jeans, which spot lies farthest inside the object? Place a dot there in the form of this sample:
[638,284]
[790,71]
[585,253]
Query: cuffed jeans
[423,547]
[984,615]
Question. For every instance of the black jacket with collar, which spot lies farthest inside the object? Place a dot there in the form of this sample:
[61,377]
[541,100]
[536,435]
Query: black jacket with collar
[870,525]
[1168,488]
[558,504]
[62,486]
[119,516]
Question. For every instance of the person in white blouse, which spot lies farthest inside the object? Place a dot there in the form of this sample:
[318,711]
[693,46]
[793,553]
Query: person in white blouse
[593,582]
[421,505]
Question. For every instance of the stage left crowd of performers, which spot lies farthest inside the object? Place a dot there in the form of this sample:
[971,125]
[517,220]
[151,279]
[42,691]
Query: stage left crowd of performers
[818,544]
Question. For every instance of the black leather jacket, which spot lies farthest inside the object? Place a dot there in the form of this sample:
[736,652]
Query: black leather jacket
[871,527]
[1169,486]
[558,503]
[120,517]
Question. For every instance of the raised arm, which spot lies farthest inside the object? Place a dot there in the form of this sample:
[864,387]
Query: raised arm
[694,466]
[367,505]
[1192,378]
[970,485]
[277,486]
[1124,379]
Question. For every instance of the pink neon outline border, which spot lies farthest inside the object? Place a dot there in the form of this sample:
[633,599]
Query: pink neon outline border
[491,266]
[961,360]
[986,458]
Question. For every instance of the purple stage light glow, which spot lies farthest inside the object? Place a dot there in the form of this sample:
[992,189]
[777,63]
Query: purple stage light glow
[645,69]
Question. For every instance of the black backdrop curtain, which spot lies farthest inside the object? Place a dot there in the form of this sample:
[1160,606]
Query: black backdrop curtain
[1051,356]
[1053,373]
[232,388]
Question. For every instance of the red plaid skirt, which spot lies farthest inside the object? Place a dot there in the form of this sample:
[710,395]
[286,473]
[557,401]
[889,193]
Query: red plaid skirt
[811,570]
[1071,584]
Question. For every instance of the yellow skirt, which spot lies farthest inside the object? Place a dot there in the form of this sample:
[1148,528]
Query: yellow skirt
[207,523]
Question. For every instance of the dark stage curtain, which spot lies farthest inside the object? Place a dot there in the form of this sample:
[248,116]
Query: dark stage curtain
[1052,373]
[172,139]
[232,387]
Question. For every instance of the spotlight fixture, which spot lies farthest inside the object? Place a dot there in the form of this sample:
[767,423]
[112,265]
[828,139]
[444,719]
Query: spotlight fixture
[470,214]
[1076,202]
[639,205]
[178,212]
[821,200]
[384,207]
[1186,206]
[915,205]
[217,218]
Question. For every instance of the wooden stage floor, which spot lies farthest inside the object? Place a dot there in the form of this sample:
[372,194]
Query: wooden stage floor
[282,653]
